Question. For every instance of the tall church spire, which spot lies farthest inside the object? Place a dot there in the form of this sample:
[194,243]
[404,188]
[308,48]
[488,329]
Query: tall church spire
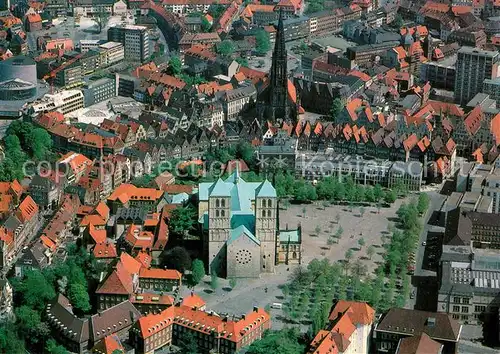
[279,76]
[274,103]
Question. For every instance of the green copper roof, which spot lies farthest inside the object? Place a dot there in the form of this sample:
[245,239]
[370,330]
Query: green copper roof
[220,189]
[238,232]
[289,236]
[266,190]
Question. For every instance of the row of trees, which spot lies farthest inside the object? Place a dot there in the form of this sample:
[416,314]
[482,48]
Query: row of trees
[77,277]
[23,141]
[330,188]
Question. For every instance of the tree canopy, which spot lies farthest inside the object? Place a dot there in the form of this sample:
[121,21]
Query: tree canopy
[285,341]
[182,220]
[226,48]
[174,65]
[336,109]
[197,272]
[177,258]
[262,42]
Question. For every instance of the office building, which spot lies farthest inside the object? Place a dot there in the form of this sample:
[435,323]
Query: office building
[65,102]
[111,53]
[100,90]
[135,40]
[469,283]
[472,68]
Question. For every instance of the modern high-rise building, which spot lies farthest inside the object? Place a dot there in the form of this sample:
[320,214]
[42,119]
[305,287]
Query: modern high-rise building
[135,40]
[473,66]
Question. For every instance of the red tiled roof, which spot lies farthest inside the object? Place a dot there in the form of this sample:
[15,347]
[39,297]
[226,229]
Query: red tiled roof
[33,18]
[473,120]
[27,209]
[126,192]
[118,282]
[410,142]
[156,273]
[144,259]
[130,264]
[193,301]
[105,250]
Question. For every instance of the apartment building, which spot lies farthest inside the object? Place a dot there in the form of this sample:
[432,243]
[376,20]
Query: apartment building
[483,179]
[111,53]
[225,335]
[398,325]
[70,76]
[234,101]
[135,40]
[472,68]
[349,329]
[65,102]
[323,23]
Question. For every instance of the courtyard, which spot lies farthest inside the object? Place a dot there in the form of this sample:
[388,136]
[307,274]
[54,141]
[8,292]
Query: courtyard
[266,290]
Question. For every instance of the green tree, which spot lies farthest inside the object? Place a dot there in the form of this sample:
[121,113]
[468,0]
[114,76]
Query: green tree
[262,42]
[232,283]
[423,203]
[79,296]
[242,62]
[390,197]
[285,341]
[339,232]
[336,109]
[197,272]
[370,251]
[182,220]
[176,258]
[361,242]
[29,323]
[188,344]
[226,48]
[174,65]
[378,193]
[314,7]
[317,230]
[214,281]
[101,18]
[216,10]
[41,143]
[53,348]
[348,255]
[35,290]
[9,341]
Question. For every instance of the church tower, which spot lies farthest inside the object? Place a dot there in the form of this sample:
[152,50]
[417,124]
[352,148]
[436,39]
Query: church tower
[266,209]
[219,226]
[274,104]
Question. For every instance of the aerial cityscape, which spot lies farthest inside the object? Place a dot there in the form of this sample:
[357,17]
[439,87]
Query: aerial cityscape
[257,176]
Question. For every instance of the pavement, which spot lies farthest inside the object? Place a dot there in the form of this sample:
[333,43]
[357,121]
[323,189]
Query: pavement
[424,280]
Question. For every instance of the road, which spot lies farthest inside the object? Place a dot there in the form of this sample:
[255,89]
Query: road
[425,294]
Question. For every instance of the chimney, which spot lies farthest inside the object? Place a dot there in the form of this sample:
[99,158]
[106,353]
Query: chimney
[255,309]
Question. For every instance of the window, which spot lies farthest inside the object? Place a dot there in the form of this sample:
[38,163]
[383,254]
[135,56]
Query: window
[456,308]
[217,213]
[223,203]
[217,203]
[465,300]
[263,213]
[269,213]
[263,203]
[222,213]
[465,309]
[269,203]
[456,300]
